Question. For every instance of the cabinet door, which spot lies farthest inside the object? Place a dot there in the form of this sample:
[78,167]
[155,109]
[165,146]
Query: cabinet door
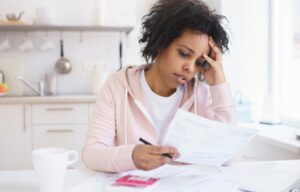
[66,136]
[15,137]
[45,114]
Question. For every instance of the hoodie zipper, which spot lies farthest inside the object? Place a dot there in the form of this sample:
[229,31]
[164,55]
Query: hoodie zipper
[145,112]
[147,115]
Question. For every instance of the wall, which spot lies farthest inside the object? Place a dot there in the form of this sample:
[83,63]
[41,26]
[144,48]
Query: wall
[296,15]
[245,64]
[82,49]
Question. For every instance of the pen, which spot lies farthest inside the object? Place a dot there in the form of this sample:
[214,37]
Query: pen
[147,143]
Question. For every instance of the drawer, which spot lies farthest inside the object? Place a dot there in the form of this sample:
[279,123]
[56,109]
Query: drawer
[60,114]
[66,136]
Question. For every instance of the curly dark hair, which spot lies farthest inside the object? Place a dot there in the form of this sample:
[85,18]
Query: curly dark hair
[168,19]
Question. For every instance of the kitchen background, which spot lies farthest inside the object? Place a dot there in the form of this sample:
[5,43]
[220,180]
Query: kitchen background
[262,67]
[247,64]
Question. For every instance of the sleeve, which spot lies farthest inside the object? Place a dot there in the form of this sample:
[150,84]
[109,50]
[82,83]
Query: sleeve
[220,103]
[99,151]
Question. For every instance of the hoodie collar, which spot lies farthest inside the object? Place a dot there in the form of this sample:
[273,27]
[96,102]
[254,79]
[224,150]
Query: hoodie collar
[129,78]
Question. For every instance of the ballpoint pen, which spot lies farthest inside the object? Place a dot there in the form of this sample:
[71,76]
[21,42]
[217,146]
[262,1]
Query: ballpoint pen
[147,143]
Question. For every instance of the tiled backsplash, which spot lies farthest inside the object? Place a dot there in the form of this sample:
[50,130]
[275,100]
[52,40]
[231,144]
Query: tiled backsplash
[82,49]
[94,48]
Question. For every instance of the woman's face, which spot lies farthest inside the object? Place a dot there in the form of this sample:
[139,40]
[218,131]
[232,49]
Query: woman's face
[177,63]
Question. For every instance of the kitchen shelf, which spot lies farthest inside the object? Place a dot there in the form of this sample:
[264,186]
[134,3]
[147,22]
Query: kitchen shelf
[125,29]
[69,28]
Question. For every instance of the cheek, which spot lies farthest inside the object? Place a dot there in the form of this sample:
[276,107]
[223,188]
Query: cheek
[171,60]
[177,60]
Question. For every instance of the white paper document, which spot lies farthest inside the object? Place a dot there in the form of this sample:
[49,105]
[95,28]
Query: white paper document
[161,172]
[203,141]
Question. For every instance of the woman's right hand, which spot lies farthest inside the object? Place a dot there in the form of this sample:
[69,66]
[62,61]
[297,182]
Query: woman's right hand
[147,157]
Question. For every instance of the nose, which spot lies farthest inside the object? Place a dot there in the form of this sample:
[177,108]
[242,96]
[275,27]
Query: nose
[189,67]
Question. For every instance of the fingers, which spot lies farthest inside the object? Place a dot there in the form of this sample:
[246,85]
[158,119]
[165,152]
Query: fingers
[209,59]
[159,150]
[215,55]
[179,163]
[215,48]
[148,157]
[154,161]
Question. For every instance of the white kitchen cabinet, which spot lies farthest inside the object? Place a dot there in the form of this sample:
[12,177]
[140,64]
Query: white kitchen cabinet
[67,136]
[60,125]
[59,114]
[15,137]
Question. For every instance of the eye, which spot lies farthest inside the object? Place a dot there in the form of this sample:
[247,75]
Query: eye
[183,54]
[201,63]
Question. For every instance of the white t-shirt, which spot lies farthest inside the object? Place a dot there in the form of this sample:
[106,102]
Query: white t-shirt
[161,109]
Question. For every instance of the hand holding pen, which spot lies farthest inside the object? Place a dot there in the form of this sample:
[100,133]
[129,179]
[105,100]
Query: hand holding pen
[147,143]
[146,156]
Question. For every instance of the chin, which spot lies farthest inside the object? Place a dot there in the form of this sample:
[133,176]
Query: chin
[175,85]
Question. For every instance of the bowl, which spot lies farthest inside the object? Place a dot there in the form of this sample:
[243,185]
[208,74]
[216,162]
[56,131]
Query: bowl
[14,16]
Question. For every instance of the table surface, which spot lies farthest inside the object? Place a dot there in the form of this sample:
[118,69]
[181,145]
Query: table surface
[254,176]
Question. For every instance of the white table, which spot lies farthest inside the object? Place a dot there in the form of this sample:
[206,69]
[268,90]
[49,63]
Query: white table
[257,176]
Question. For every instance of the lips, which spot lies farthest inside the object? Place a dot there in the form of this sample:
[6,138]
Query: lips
[181,79]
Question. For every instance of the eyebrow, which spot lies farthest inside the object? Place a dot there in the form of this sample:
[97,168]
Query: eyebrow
[191,50]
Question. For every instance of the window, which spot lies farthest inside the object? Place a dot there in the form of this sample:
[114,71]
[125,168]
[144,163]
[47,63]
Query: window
[285,59]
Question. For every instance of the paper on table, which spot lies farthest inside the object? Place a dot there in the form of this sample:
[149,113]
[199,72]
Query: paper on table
[264,176]
[182,182]
[173,176]
[96,183]
[204,141]
[214,185]
[161,172]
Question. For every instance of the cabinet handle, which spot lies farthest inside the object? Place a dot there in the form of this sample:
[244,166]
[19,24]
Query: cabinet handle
[60,131]
[60,109]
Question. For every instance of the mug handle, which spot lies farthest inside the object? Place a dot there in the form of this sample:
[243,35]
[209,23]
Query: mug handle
[74,159]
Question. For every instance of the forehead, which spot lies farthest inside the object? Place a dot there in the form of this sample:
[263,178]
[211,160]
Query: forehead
[194,40]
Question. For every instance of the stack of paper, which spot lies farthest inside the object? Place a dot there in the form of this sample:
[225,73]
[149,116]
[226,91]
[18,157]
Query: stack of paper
[204,141]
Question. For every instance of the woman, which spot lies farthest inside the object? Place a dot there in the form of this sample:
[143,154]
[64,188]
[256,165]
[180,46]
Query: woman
[183,40]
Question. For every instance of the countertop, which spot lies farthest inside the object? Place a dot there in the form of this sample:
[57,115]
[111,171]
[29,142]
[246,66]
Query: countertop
[64,99]
[280,135]
[275,176]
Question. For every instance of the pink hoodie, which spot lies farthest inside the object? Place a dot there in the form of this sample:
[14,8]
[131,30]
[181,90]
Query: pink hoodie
[121,118]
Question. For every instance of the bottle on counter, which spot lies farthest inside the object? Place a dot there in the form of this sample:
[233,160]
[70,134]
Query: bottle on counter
[51,83]
[2,77]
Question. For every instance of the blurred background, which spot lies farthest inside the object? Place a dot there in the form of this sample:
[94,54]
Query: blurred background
[262,64]
[99,36]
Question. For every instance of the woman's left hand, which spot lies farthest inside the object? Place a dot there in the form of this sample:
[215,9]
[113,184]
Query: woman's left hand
[215,74]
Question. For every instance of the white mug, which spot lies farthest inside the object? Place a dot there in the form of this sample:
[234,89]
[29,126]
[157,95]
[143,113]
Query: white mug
[44,16]
[50,166]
